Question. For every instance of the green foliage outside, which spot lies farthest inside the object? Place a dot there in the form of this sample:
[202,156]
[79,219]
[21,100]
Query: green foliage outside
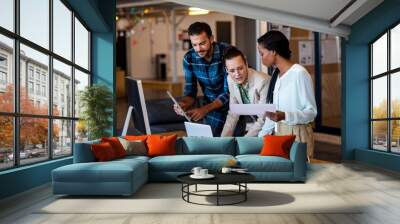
[96,102]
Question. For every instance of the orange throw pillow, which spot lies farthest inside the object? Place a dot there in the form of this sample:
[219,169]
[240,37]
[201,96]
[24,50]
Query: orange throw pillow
[161,145]
[116,145]
[103,151]
[135,137]
[277,145]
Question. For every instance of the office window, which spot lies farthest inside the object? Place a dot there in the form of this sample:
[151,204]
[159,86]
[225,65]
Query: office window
[35,21]
[62,137]
[34,144]
[81,45]
[6,142]
[62,29]
[81,81]
[62,74]
[7,14]
[43,134]
[7,73]
[385,94]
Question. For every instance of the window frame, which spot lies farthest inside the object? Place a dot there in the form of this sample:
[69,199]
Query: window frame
[388,74]
[16,114]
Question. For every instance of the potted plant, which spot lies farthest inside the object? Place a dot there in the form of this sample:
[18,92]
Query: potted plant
[96,103]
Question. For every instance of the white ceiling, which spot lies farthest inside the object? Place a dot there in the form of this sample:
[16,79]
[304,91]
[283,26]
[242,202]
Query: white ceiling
[316,15]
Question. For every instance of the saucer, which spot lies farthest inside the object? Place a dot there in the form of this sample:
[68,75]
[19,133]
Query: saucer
[208,176]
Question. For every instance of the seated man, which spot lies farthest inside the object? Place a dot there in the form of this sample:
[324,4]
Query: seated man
[246,86]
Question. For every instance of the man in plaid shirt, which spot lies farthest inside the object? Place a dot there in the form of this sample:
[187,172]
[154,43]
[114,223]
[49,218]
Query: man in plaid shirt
[203,64]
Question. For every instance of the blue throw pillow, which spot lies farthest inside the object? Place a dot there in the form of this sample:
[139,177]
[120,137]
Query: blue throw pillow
[208,145]
[249,145]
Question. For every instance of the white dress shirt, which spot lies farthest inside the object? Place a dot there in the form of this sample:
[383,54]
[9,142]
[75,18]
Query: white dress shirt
[293,95]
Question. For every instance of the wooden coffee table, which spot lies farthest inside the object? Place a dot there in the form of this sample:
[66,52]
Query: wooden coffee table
[238,179]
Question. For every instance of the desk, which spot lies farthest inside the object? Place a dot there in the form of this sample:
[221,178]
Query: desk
[176,88]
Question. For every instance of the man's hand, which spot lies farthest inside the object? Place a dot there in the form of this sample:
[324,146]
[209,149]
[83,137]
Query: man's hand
[178,110]
[185,103]
[277,116]
[197,113]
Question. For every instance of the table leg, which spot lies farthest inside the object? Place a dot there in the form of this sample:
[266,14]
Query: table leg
[245,191]
[217,194]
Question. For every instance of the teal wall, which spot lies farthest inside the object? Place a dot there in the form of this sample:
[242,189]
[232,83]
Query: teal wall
[99,16]
[355,82]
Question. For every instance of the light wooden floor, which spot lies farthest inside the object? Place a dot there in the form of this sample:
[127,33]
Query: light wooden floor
[378,189]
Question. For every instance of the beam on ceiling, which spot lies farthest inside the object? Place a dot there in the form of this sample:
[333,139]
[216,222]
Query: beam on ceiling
[346,12]
[141,3]
[268,14]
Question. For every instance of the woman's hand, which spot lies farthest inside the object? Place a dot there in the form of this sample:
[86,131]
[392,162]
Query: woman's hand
[275,116]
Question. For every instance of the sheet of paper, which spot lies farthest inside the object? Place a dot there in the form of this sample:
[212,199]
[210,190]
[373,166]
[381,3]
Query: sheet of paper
[251,109]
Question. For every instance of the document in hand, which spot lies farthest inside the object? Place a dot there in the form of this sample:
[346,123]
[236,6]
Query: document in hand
[251,109]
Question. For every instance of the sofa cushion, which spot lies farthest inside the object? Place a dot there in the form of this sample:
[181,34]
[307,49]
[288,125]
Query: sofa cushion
[116,145]
[248,145]
[161,145]
[136,147]
[103,151]
[257,163]
[135,137]
[207,145]
[112,171]
[185,163]
[83,152]
[277,145]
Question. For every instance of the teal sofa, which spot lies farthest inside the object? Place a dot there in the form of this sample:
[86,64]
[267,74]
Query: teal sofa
[125,176]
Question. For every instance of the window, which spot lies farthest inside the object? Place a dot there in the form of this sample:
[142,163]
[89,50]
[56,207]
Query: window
[30,72]
[3,61]
[7,14]
[385,94]
[6,73]
[34,21]
[45,131]
[3,72]
[3,78]
[37,74]
[62,74]
[30,88]
[44,91]
[62,29]
[81,45]
[38,89]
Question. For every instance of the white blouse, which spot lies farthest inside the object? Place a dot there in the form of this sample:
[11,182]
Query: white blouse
[293,95]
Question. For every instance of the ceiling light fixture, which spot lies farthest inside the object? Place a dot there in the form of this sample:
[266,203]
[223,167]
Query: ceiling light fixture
[193,11]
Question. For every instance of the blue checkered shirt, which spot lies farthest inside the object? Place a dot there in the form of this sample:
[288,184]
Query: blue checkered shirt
[212,79]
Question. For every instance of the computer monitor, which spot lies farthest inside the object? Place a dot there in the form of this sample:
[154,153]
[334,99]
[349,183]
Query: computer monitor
[137,108]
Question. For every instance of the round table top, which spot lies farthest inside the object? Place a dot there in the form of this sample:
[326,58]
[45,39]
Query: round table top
[220,178]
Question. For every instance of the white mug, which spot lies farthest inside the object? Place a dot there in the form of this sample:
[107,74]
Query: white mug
[196,170]
[203,172]
[226,170]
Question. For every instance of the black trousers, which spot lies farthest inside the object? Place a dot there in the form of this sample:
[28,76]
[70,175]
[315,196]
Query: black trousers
[240,129]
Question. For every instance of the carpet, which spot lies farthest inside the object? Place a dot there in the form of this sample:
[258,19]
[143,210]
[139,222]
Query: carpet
[166,198]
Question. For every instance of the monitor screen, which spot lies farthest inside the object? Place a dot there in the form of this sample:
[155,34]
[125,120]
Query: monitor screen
[137,108]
